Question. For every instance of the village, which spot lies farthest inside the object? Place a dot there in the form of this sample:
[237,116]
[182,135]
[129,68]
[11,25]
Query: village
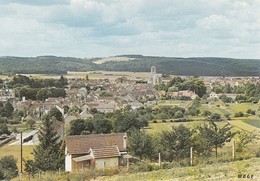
[86,97]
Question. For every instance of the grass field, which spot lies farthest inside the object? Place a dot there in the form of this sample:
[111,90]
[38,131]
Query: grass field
[255,123]
[4,77]
[160,126]
[222,108]
[214,107]
[243,125]
[173,103]
[16,152]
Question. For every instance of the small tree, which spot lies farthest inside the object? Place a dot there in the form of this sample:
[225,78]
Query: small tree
[4,129]
[216,137]
[93,111]
[207,114]
[56,113]
[43,94]
[243,139]
[140,144]
[30,123]
[239,114]
[178,114]
[47,155]
[176,143]
[200,144]
[8,110]
[215,117]
[63,81]
[227,116]
[66,109]
[101,124]
[81,126]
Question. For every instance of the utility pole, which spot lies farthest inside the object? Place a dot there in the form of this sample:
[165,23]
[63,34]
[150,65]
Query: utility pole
[233,150]
[159,159]
[21,152]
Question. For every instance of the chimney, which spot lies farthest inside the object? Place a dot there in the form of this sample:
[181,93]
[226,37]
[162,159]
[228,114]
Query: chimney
[125,141]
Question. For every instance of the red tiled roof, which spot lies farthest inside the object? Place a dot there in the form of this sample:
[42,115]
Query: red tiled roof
[106,152]
[81,144]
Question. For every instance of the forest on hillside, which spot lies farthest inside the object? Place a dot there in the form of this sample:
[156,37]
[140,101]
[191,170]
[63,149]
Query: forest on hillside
[197,66]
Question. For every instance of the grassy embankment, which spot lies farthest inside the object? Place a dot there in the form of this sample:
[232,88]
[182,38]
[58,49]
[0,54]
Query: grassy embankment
[214,171]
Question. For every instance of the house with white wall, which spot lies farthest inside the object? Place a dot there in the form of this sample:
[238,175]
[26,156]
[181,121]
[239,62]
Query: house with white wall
[99,151]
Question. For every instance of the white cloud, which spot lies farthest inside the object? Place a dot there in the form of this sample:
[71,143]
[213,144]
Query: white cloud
[214,22]
[99,28]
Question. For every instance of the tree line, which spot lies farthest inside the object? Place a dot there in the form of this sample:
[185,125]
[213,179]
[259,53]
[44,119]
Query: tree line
[38,89]
[21,80]
[175,144]
[249,92]
[118,121]
[178,84]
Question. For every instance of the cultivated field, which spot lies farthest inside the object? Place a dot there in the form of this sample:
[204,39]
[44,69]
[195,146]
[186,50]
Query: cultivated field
[93,75]
[113,59]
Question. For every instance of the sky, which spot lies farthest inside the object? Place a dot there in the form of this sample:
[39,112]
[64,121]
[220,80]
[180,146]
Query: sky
[99,28]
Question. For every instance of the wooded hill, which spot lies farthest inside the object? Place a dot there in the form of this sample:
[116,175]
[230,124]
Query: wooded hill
[197,66]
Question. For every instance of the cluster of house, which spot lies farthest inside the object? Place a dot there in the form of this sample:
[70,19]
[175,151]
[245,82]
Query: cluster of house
[118,95]
[6,94]
[210,82]
[214,95]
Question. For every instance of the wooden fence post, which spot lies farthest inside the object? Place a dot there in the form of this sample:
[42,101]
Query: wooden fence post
[191,157]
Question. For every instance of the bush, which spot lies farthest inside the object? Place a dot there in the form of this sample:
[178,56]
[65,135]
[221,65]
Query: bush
[143,167]
[8,167]
[154,121]
[169,165]
[3,120]
[183,120]
[239,114]
[15,121]
[258,153]
[164,121]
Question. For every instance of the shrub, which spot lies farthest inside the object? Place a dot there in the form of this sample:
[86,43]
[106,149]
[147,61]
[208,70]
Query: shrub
[15,121]
[169,165]
[154,121]
[239,114]
[8,167]
[143,167]
[258,153]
